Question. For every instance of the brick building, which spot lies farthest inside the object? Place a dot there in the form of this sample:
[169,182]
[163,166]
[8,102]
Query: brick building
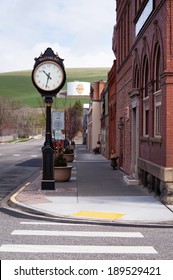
[142,44]
[112,109]
[104,119]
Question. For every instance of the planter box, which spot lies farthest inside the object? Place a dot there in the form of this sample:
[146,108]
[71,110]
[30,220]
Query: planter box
[68,157]
[72,147]
[62,174]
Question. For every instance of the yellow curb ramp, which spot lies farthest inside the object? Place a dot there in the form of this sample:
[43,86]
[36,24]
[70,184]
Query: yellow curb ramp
[98,215]
[13,197]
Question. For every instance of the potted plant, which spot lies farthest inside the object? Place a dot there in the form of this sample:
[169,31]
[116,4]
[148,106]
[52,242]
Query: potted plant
[114,159]
[72,144]
[62,172]
[68,154]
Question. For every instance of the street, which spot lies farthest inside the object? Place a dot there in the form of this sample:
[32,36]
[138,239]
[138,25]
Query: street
[18,162]
[29,237]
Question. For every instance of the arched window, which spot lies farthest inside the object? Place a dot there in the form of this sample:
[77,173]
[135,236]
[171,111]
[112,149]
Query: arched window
[136,77]
[157,69]
[145,75]
[157,91]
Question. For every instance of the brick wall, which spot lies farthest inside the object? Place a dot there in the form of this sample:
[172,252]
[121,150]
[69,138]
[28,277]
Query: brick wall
[158,28]
[123,84]
[112,108]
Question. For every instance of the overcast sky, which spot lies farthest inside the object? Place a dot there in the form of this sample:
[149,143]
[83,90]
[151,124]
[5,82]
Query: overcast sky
[79,30]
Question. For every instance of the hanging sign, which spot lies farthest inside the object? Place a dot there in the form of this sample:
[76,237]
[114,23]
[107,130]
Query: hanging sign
[58,120]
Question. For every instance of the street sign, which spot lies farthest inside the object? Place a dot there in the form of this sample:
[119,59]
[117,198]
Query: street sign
[58,120]
[58,135]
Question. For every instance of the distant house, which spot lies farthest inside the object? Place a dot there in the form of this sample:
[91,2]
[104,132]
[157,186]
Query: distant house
[84,125]
[94,115]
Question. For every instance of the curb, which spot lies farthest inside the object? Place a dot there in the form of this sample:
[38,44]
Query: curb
[14,204]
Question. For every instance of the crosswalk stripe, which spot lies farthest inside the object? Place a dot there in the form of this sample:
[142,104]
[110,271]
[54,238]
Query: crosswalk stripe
[57,224]
[77,233]
[78,249]
[75,249]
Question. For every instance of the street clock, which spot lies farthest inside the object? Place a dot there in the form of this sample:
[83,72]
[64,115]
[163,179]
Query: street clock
[48,75]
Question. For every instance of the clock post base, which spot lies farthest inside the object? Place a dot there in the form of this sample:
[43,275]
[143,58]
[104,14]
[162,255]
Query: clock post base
[47,185]
[48,182]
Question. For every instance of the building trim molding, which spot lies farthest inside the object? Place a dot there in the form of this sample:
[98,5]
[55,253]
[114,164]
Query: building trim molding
[164,174]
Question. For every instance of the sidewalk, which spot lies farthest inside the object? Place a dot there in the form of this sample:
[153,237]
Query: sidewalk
[95,193]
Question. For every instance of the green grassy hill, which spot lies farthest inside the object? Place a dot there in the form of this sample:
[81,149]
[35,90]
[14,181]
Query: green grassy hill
[18,85]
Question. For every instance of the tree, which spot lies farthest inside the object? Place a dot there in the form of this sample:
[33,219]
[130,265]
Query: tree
[25,123]
[78,108]
[7,115]
[73,120]
[15,119]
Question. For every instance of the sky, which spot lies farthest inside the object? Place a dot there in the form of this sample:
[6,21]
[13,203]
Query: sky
[80,31]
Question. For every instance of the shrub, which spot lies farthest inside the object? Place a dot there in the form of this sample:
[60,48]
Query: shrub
[60,161]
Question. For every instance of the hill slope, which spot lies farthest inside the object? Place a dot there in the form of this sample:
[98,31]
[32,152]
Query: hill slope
[18,85]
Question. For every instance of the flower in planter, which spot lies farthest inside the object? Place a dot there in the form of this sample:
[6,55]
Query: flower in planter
[68,151]
[60,161]
[62,172]
[114,159]
[114,156]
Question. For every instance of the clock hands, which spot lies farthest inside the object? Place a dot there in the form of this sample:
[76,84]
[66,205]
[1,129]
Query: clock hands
[48,77]
[47,74]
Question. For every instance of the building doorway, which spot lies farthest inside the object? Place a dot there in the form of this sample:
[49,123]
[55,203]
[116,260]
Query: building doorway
[135,142]
[121,148]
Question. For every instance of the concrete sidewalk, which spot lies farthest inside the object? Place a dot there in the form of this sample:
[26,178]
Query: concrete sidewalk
[95,193]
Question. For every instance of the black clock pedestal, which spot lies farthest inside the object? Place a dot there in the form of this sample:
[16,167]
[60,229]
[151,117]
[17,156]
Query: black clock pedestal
[48,182]
[48,77]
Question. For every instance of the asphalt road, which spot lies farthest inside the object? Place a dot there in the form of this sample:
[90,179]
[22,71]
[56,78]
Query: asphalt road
[28,238]
[18,162]
[25,237]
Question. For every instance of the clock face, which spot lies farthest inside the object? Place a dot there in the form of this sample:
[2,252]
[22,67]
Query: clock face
[48,76]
